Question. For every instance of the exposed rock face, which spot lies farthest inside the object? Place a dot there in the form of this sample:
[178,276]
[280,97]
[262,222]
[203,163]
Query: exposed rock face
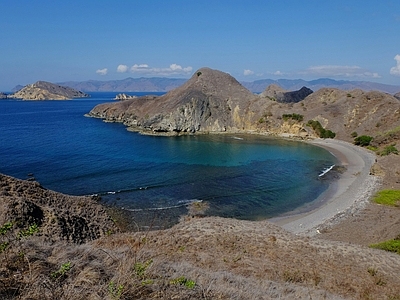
[276,93]
[273,92]
[58,216]
[121,97]
[210,101]
[42,90]
[397,95]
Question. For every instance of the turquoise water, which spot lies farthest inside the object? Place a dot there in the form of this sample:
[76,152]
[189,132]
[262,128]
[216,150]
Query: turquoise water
[241,176]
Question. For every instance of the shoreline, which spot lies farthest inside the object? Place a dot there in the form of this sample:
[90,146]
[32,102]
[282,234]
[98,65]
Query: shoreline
[346,196]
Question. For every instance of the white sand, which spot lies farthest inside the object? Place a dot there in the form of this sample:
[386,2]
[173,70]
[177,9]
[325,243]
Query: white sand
[344,197]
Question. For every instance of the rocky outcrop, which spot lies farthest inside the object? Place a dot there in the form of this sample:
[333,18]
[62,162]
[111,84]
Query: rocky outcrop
[123,96]
[276,93]
[209,101]
[57,216]
[397,95]
[43,90]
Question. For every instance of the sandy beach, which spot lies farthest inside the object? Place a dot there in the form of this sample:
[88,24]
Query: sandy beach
[349,194]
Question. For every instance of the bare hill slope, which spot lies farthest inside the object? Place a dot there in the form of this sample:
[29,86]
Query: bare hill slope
[200,258]
[43,90]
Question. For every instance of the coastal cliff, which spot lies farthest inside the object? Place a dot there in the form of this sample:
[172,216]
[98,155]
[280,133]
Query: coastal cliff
[43,90]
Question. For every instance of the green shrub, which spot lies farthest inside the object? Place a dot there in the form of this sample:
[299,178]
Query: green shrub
[354,134]
[183,281]
[28,232]
[391,246]
[387,197]
[321,131]
[389,149]
[62,271]
[296,117]
[363,140]
[6,227]
[115,291]
[141,268]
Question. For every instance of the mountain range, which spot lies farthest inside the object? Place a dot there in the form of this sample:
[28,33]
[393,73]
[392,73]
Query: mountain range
[160,84]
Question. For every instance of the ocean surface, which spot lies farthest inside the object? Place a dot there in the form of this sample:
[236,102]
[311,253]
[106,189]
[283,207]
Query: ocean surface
[241,176]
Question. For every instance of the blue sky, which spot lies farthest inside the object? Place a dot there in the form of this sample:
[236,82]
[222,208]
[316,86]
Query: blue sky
[250,39]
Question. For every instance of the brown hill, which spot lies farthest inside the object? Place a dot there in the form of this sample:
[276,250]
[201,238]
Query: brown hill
[43,90]
[276,93]
[209,101]
[200,258]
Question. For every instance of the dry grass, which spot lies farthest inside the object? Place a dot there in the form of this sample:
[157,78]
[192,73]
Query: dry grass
[226,259]
[199,258]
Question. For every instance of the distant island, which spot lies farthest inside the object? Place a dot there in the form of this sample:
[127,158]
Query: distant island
[42,90]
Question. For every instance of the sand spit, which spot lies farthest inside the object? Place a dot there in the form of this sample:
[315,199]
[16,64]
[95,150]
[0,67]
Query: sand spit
[346,196]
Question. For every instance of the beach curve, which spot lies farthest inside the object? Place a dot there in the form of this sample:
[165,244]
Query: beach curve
[349,194]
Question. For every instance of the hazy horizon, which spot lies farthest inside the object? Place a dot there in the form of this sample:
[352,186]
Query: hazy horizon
[78,41]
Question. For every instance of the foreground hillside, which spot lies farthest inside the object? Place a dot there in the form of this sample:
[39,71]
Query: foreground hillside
[200,258]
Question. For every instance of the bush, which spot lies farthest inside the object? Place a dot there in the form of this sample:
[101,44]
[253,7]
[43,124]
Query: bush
[321,131]
[296,117]
[354,134]
[389,149]
[363,140]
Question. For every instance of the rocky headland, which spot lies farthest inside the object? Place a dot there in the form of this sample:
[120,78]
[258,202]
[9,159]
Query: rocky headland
[43,90]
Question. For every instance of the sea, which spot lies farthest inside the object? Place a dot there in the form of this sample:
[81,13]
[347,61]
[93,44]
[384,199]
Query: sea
[247,177]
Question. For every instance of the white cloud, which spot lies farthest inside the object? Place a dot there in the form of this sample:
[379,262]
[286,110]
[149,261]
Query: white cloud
[396,70]
[122,68]
[248,72]
[102,71]
[340,71]
[173,69]
[278,73]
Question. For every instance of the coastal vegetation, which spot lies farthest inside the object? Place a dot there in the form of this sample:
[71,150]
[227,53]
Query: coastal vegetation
[390,149]
[391,245]
[363,140]
[320,130]
[388,197]
[293,116]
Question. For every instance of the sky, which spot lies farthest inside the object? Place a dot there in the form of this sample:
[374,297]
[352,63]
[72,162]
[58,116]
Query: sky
[73,40]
